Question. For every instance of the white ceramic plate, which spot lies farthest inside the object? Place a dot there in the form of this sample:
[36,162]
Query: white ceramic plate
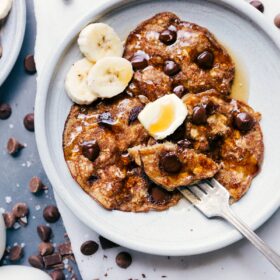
[12,34]
[182,230]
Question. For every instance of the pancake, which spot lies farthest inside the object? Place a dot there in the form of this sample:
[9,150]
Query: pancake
[104,169]
[201,62]
[237,147]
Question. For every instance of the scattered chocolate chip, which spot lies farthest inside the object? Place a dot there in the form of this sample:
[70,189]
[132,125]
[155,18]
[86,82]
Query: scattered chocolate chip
[205,60]
[28,122]
[133,115]
[5,111]
[168,37]
[170,163]
[57,275]
[14,147]
[106,119]
[52,260]
[171,68]
[90,149]
[199,115]
[9,219]
[277,21]
[45,248]
[16,253]
[209,107]
[106,243]
[139,60]
[123,259]
[36,261]
[243,121]
[89,248]
[51,214]
[92,178]
[184,144]
[258,5]
[65,249]
[35,185]
[44,232]
[29,64]
[158,195]
[20,210]
[179,91]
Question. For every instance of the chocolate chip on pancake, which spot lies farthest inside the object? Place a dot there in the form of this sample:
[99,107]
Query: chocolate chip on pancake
[92,178]
[199,115]
[179,90]
[243,121]
[139,60]
[134,114]
[158,195]
[90,149]
[171,68]
[168,37]
[205,60]
[184,144]
[170,162]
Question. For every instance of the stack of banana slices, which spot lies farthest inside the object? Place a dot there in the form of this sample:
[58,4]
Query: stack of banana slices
[102,73]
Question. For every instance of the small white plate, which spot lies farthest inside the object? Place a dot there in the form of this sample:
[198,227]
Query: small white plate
[181,230]
[12,34]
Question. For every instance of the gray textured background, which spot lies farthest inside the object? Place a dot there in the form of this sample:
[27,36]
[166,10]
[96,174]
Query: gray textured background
[19,91]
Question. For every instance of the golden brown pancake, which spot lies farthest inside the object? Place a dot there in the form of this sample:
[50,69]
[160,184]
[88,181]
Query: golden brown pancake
[201,61]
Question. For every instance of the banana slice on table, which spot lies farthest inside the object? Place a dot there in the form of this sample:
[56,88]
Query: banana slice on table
[110,76]
[5,7]
[98,40]
[76,83]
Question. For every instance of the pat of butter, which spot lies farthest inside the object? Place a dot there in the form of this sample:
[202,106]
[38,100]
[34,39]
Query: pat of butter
[163,116]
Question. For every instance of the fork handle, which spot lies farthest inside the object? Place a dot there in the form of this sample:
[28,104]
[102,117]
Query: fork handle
[270,254]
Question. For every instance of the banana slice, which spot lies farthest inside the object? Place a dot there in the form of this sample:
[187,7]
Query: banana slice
[5,7]
[76,83]
[110,76]
[99,40]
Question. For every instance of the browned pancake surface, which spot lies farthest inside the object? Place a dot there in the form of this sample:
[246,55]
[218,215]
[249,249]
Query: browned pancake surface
[191,41]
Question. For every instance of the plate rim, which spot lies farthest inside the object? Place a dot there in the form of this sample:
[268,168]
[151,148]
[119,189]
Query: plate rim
[20,27]
[41,137]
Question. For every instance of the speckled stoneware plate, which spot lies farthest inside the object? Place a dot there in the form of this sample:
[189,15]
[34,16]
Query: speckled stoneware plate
[181,230]
[12,34]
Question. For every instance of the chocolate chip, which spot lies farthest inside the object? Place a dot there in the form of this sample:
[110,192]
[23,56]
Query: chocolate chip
[243,121]
[14,147]
[199,115]
[205,60]
[51,214]
[5,111]
[139,60]
[158,195]
[44,232]
[106,243]
[9,219]
[90,149]
[89,248]
[16,253]
[171,68]
[170,163]
[123,259]
[92,178]
[168,37]
[45,248]
[179,91]
[133,114]
[35,185]
[210,107]
[36,261]
[57,275]
[185,144]
[28,122]
[258,5]
[20,210]
[277,21]
[65,249]
[106,119]
[29,64]
[52,260]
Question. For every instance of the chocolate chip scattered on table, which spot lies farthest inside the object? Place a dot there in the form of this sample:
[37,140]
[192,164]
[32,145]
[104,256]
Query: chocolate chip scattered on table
[51,214]
[89,248]
[123,259]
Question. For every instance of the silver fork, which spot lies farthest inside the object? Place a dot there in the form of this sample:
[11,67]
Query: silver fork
[212,199]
